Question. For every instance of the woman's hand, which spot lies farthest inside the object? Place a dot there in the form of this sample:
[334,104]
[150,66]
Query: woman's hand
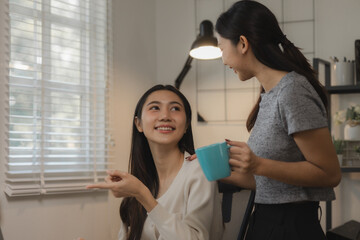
[191,157]
[242,162]
[124,184]
[242,159]
[121,184]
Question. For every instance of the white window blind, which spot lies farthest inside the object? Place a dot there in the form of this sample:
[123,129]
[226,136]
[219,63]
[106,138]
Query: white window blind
[58,95]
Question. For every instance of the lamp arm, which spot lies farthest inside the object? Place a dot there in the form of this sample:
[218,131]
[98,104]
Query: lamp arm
[181,77]
[183,72]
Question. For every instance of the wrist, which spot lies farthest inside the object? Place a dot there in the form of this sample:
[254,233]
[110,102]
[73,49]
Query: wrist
[146,199]
[258,166]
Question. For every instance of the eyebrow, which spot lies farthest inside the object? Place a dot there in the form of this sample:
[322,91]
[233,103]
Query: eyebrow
[171,103]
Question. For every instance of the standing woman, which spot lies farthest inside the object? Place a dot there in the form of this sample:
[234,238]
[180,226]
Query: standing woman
[289,158]
[166,196]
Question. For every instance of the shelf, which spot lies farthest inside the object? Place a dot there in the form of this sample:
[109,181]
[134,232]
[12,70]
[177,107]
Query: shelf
[343,89]
[335,90]
[350,169]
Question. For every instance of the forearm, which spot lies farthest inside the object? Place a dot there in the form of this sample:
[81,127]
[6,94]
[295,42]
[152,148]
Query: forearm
[302,173]
[242,180]
[146,199]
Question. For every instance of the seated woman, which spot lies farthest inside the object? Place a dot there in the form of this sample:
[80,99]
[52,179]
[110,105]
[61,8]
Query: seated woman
[165,196]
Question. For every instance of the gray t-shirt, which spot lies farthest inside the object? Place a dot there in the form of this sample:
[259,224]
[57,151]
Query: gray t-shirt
[291,106]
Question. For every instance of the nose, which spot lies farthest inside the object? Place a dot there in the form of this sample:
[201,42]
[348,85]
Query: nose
[165,115]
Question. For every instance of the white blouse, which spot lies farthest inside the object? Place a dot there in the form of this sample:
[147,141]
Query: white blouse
[189,209]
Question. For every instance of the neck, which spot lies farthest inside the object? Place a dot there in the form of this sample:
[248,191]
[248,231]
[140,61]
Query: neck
[168,160]
[269,77]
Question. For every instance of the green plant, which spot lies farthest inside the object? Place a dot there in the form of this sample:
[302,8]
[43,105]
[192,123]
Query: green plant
[339,145]
[351,116]
[357,149]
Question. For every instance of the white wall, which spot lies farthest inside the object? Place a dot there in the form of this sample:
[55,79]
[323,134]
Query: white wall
[93,216]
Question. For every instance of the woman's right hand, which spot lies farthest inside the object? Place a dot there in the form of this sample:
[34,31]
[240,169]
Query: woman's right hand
[242,158]
[123,184]
[242,162]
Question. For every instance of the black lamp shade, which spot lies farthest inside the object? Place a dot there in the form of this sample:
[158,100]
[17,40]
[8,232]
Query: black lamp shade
[205,46]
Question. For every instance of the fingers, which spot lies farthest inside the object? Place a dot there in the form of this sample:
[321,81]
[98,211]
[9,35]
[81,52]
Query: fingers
[235,163]
[235,143]
[117,174]
[108,179]
[113,177]
[101,185]
[192,157]
[239,165]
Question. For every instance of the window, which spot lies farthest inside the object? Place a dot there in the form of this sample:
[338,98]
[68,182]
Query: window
[57,106]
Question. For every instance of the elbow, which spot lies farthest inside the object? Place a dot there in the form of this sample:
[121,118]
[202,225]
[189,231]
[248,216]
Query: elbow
[335,179]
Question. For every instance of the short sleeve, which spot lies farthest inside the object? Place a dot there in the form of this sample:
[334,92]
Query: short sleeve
[301,108]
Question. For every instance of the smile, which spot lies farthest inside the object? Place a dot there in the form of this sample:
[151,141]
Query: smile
[165,128]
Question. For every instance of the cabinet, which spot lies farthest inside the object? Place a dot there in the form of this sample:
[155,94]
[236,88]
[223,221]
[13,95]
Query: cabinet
[317,62]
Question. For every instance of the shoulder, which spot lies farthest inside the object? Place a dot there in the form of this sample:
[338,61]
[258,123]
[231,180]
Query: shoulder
[193,173]
[193,168]
[297,90]
[295,85]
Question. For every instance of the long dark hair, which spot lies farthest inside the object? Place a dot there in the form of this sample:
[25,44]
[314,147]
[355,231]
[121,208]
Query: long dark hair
[142,166]
[259,25]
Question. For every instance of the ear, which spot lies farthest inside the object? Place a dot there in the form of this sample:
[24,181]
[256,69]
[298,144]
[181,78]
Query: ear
[243,44]
[137,122]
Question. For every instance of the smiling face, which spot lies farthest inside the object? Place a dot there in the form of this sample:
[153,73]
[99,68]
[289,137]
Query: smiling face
[236,56]
[163,118]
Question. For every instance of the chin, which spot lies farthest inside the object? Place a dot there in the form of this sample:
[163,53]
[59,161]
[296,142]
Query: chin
[244,78]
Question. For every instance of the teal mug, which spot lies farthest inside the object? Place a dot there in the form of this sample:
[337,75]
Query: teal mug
[214,160]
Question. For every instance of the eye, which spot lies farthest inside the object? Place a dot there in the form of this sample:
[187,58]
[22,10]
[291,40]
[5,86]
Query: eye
[154,107]
[175,108]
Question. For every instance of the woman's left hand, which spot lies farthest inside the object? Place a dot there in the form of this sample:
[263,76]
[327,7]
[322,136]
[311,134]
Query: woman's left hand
[121,184]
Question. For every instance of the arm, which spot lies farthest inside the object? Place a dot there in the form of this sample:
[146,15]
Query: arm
[321,168]
[200,205]
[199,212]
[240,178]
[124,184]
[237,178]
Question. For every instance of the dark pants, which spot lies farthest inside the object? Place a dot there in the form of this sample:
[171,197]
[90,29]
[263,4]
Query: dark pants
[289,221]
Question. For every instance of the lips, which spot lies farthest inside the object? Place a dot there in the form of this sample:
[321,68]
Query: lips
[233,70]
[165,128]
